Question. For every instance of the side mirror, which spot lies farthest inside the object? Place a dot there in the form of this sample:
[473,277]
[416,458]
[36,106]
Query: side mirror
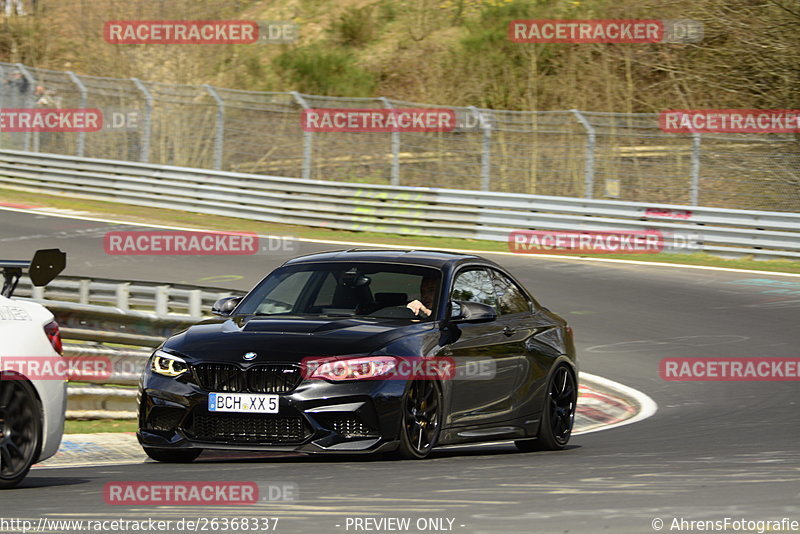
[462,311]
[225,306]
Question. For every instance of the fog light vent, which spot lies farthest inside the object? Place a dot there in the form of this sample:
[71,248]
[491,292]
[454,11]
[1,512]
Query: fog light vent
[350,426]
[165,419]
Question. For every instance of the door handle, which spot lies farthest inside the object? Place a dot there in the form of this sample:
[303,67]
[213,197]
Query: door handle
[509,330]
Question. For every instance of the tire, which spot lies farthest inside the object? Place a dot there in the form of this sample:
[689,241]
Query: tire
[20,431]
[173,456]
[558,413]
[421,420]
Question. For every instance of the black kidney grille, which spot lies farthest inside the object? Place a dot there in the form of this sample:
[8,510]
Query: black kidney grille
[223,377]
[243,428]
[273,378]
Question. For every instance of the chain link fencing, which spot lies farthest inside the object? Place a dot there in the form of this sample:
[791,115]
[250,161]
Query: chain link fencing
[568,153]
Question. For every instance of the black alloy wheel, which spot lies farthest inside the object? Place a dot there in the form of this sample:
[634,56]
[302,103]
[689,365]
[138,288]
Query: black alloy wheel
[558,413]
[422,408]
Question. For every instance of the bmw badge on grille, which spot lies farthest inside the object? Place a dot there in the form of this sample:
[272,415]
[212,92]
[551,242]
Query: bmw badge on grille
[250,356]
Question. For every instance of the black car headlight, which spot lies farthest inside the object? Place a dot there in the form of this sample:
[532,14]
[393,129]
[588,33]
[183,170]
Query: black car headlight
[166,364]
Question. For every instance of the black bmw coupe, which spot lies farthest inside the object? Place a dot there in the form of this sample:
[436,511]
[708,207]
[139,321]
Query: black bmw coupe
[365,351]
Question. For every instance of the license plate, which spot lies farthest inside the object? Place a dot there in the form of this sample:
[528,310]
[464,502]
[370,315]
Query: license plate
[242,403]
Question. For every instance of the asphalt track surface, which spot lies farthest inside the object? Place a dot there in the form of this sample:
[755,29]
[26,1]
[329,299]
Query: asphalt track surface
[713,449]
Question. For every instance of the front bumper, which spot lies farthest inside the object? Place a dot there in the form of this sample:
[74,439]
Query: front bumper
[316,417]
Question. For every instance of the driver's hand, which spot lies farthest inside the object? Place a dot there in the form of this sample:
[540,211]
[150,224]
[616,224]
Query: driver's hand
[416,307]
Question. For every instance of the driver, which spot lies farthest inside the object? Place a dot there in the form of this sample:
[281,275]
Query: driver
[427,292]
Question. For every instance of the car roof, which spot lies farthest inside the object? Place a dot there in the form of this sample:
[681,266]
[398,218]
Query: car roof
[430,258]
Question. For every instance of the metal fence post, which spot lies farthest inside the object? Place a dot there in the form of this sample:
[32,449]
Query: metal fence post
[144,150]
[395,180]
[162,300]
[219,135]
[486,149]
[82,134]
[123,295]
[83,290]
[308,138]
[694,193]
[588,173]
[29,102]
[195,303]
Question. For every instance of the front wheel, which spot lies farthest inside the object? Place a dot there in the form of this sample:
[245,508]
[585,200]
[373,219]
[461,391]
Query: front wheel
[558,413]
[422,419]
[20,431]
[173,456]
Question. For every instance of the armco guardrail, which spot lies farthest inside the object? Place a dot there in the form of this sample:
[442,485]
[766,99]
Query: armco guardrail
[144,321]
[403,210]
[159,298]
[134,318]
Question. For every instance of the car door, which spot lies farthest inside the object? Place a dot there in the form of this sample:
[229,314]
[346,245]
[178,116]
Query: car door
[489,356]
[535,336]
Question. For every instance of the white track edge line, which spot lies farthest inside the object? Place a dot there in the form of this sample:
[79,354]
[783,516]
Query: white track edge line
[400,247]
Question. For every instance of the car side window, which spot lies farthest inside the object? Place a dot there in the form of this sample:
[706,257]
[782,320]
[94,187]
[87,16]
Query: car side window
[474,285]
[510,298]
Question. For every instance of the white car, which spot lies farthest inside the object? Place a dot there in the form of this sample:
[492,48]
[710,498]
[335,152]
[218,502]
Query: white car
[32,403]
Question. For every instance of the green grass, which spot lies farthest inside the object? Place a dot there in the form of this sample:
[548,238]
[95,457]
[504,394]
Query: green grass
[143,215]
[96,426]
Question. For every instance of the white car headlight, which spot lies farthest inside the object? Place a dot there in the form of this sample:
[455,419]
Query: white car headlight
[167,364]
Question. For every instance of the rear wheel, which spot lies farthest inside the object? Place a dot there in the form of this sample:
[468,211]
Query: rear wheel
[558,413]
[20,430]
[173,456]
[422,419]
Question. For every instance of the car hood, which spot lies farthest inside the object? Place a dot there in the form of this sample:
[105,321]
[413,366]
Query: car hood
[286,339]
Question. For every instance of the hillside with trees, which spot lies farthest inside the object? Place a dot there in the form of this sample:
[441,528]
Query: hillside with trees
[443,52]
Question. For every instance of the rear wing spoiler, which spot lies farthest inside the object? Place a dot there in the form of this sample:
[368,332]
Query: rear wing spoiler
[42,269]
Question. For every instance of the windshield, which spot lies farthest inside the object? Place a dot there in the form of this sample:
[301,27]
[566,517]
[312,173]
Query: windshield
[370,290]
